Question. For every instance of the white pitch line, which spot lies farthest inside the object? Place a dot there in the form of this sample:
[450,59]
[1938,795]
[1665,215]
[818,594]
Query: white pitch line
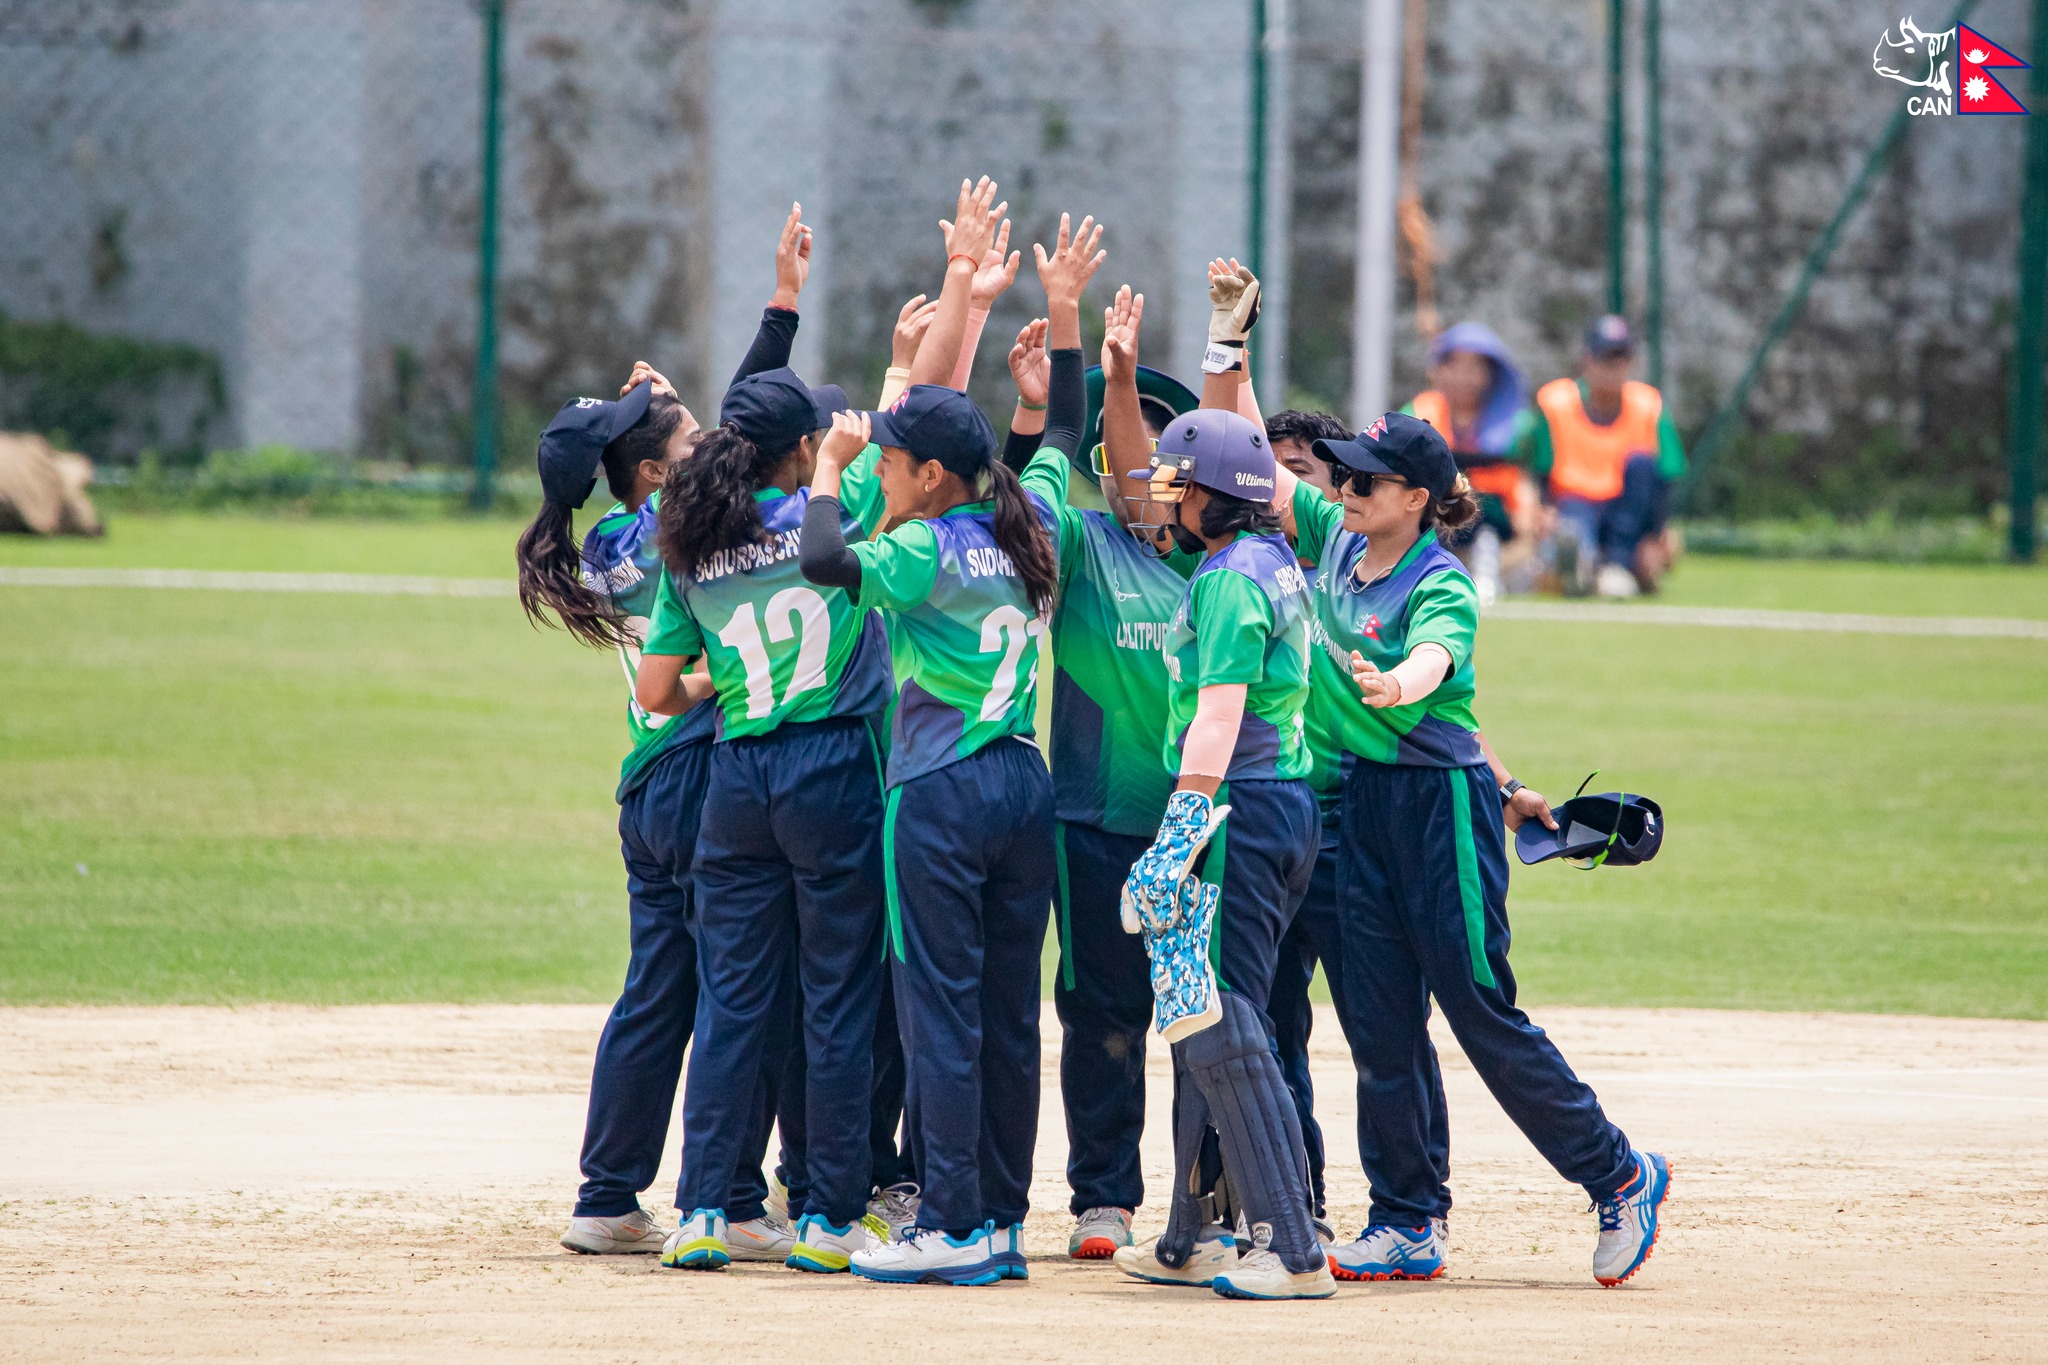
[394,585]
[1746,618]
[376,585]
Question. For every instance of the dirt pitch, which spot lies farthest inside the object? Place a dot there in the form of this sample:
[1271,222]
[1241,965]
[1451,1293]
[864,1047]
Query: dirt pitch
[386,1183]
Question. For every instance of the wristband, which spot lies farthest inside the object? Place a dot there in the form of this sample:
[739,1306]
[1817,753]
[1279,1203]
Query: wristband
[974,261]
[1031,407]
[896,372]
[1509,788]
[1222,357]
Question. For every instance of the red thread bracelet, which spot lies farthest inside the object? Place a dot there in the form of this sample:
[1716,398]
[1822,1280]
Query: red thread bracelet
[963,256]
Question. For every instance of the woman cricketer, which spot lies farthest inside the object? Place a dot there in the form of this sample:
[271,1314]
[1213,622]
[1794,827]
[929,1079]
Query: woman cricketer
[1423,875]
[965,576]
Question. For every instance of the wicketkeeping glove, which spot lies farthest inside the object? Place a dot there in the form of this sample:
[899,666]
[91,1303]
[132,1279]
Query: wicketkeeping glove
[1234,304]
[1153,895]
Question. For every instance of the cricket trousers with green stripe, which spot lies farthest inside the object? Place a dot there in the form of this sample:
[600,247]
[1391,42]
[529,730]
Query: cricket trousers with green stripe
[1422,885]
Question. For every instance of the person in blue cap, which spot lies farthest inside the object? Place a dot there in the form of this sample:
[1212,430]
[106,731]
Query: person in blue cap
[965,575]
[788,868]
[1478,401]
[1422,877]
[603,593]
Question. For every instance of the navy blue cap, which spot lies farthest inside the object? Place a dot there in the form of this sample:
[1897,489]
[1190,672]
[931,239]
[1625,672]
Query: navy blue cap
[574,442]
[934,422]
[1609,338]
[1612,829]
[775,408]
[1405,447]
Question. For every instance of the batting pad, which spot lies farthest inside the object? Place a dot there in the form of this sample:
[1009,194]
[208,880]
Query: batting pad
[1259,1131]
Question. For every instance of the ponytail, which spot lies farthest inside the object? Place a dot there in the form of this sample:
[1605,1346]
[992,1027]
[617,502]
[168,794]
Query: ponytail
[1021,535]
[707,501]
[551,562]
[551,579]
[1453,513]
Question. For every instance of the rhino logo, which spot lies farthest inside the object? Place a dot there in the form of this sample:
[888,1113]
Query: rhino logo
[1916,58]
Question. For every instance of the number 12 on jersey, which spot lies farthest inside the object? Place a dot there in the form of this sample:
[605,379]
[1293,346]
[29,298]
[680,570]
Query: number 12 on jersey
[793,613]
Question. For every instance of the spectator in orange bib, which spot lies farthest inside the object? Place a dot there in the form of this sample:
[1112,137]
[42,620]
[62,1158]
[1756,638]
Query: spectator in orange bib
[1478,402]
[1609,454]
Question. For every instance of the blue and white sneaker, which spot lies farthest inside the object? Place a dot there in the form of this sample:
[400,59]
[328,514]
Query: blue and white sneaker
[1628,1222]
[1384,1252]
[1215,1252]
[1009,1245]
[926,1256]
[823,1248]
[698,1244]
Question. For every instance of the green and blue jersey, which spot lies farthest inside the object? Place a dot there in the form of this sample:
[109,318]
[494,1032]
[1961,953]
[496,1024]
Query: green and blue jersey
[1244,618]
[781,650]
[1109,671]
[620,563]
[1426,598]
[963,634]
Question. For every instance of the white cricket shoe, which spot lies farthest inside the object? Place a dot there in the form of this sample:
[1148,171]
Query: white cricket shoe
[892,1212]
[698,1244]
[1098,1233]
[1215,1251]
[628,1234]
[928,1257]
[1009,1245]
[760,1239]
[1615,581]
[776,1202]
[824,1249]
[1260,1274]
[1628,1222]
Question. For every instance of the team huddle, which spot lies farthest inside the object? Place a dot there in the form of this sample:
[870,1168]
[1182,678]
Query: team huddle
[844,835]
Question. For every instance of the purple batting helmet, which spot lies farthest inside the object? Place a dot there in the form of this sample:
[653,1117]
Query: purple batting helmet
[1219,450]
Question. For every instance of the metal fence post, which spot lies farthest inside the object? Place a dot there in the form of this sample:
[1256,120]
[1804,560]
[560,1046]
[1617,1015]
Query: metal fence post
[1617,172]
[1274,186]
[2023,402]
[1653,183]
[483,403]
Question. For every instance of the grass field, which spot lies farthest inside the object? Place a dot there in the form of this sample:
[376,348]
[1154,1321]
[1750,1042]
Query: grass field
[250,796]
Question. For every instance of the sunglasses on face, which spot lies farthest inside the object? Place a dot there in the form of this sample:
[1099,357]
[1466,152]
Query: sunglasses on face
[1361,482]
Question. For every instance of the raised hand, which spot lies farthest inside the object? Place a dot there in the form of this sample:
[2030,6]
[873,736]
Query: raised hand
[913,320]
[1030,366]
[997,272]
[1120,324]
[972,230]
[849,436]
[642,372]
[1073,262]
[792,259]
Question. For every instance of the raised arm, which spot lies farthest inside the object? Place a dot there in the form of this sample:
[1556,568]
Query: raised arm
[1065,274]
[997,273]
[1032,371]
[969,238]
[823,556]
[1126,445]
[777,332]
[913,320]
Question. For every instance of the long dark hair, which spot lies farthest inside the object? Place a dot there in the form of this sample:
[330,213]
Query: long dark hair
[1021,535]
[707,501]
[1225,514]
[551,561]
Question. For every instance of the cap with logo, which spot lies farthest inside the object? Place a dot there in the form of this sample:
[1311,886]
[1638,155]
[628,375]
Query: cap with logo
[574,442]
[1217,450]
[775,408]
[934,422]
[1612,829]
[1608,338]
[1403,447]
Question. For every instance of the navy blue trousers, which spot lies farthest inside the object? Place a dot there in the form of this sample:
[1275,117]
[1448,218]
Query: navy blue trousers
[640,1053]
[1312,938]
[1422,901]
[1624,521]
[789,907]
[971,883]
[1103,994]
